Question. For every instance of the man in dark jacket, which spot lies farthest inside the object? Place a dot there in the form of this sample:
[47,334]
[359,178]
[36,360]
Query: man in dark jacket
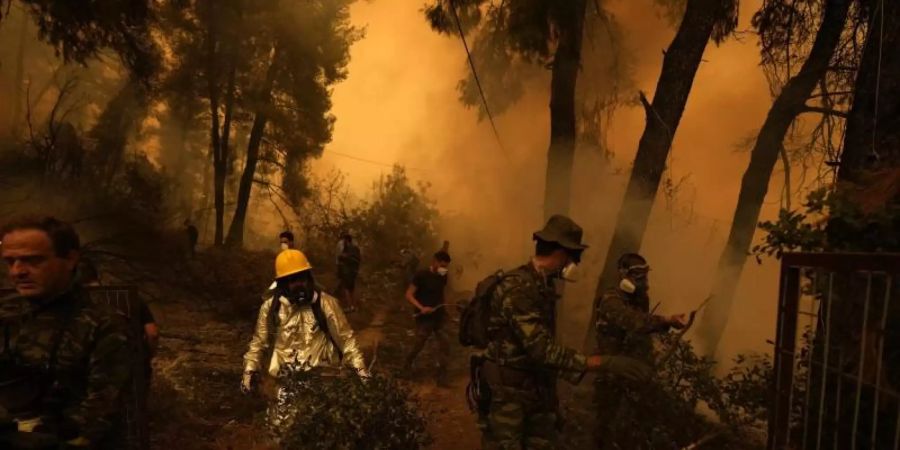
[65,359]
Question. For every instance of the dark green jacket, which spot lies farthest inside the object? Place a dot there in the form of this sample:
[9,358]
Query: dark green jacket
[625,325]
[523,322]
[82,384]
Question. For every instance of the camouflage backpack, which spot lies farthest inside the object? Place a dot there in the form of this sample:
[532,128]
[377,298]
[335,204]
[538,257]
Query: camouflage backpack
[474,322]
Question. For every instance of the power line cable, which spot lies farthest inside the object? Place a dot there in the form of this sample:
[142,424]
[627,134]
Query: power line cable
[371,161]
[878,80]
[487,110]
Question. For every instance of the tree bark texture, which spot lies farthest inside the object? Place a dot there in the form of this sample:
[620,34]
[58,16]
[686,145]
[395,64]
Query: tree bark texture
[561,154]
[236,231]
[121,116]
[680,64]
[15,119]
[755,183]
[872,139]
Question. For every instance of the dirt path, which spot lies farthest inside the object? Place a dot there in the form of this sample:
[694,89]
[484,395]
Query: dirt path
[196,403]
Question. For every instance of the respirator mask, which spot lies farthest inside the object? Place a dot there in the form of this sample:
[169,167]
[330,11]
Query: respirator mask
[634,279]
[442,271]
[301,295]
[570,272]
[285,246]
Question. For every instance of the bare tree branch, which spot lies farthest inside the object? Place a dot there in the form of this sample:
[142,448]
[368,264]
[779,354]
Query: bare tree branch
[825,111]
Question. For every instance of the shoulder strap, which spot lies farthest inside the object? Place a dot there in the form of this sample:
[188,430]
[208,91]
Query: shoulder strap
[322,321]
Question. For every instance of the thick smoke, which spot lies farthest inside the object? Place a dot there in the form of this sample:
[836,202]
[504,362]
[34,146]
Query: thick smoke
[400,104]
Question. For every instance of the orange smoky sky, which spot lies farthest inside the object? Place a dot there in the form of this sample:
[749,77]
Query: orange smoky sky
[400,105]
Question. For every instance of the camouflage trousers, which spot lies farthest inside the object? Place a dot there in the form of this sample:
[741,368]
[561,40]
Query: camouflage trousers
[623,422]
[613,409]
[520,419]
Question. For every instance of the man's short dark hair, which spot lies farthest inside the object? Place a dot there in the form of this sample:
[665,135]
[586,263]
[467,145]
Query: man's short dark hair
[442,256]
[629,260]
[286,235]
[546,248]
[62,235]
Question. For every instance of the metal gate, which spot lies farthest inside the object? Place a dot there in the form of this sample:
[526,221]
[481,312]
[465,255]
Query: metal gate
[124,299]
[837,353]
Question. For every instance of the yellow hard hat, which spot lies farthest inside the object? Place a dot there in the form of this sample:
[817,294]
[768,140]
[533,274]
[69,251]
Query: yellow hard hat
[290,262]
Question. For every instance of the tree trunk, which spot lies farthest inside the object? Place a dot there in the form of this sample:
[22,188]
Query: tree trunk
[872,136]
[236,231]
[214,138]
[561,154]
[15,119]
[680,64]
[222,162]
[119,118]
[787,106]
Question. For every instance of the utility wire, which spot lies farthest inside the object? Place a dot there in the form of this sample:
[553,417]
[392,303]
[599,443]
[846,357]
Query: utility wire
[487,110]
[878,82]
[370,161]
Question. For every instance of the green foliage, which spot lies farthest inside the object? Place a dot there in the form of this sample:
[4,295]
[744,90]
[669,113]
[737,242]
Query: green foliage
[663,412]
[398,215]
[348,413]
[80,30]
[746,390]
[512,44]
[832,220]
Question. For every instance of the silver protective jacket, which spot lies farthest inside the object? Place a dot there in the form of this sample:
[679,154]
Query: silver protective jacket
[300,342]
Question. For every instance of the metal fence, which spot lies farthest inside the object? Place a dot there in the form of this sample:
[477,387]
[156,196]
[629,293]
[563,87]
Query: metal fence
[124,299]
[837,353]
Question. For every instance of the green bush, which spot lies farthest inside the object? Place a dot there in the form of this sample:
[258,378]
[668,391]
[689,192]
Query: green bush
[665,411]
[833,220]
[348,413]
[398,214]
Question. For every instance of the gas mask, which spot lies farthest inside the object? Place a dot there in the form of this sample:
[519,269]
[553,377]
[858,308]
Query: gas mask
[442,271]
[302,296]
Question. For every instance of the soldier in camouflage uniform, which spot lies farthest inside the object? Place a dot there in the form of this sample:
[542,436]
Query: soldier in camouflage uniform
[523,360]
[64,359]
[625,326]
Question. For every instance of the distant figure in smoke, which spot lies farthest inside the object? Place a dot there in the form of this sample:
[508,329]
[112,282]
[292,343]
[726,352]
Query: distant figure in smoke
[286,242]
[349,261]
[193,235]
[426,294]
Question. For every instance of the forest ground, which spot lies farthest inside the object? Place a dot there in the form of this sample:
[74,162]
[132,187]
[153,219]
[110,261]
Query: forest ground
[195,402]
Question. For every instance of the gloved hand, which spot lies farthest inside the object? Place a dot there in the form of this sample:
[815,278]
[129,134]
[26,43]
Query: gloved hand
[248,382]
[629,368]
[678,321]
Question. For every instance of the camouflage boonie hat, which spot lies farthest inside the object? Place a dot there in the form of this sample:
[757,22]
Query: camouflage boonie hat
[563,231]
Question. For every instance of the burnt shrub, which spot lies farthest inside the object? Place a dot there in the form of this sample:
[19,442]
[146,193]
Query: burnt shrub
[345,412]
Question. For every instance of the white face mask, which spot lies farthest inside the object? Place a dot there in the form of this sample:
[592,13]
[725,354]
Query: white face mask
[285,246]
[570,272]
[443,271]
[627,286]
